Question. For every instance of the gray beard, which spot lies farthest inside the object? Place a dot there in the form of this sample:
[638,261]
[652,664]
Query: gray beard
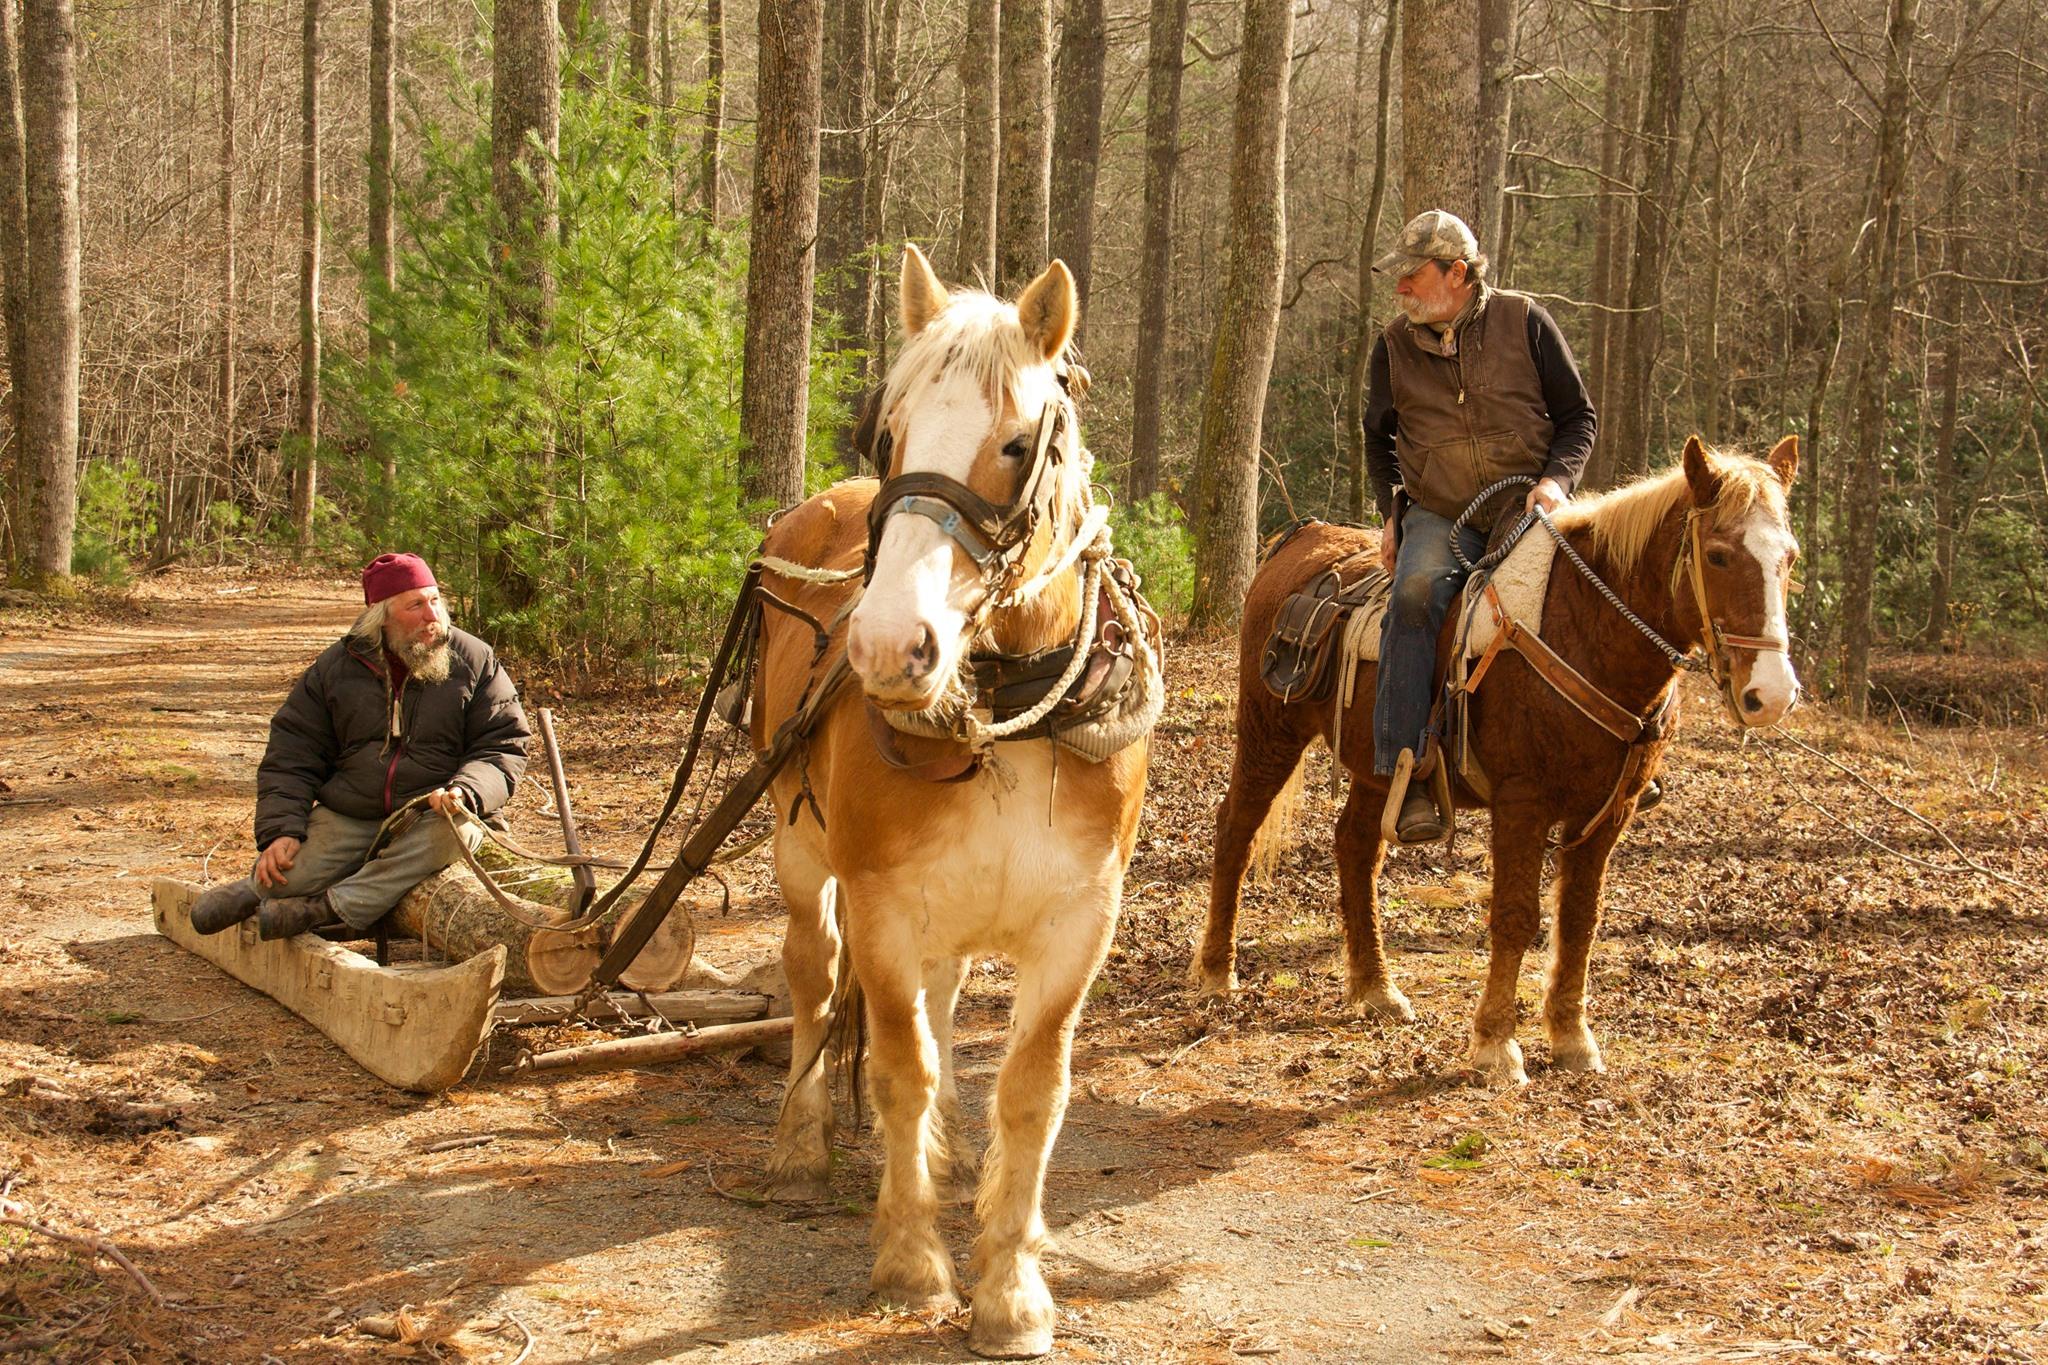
[428,663]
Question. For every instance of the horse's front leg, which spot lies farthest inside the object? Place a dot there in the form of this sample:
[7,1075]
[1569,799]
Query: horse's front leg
[954,1157]
[1360,852]
[1519,832]
[1013,1310]
[1581,871]
[800,1163]
[912,1269]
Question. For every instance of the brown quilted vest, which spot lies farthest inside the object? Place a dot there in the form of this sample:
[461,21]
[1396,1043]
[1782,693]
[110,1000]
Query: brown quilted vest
[1468,419]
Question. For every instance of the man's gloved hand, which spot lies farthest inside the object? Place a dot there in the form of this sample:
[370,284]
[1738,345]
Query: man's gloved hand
[1548,494]
[447,797]
[278,856]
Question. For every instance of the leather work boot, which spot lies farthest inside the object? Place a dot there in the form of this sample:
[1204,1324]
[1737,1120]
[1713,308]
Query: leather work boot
[1419,822]
[290,916]
[1650,797]
[223,907]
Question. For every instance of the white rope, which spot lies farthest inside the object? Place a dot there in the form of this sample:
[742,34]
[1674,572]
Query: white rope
[1085,538]
[804,573]
[980,735]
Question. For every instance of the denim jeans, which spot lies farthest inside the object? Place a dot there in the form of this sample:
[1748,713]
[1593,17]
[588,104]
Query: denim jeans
[331,860]
[1426,578]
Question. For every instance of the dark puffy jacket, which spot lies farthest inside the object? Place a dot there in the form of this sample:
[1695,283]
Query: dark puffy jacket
[333,741]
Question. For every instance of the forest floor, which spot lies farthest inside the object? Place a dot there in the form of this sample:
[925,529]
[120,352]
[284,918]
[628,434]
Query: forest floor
[1821,1135]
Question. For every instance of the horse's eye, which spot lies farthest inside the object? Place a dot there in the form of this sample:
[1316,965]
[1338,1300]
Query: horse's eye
[1018,448]
[1718,558]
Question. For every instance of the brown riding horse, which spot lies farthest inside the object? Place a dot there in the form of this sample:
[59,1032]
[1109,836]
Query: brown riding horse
[1025,857]
[1708,538]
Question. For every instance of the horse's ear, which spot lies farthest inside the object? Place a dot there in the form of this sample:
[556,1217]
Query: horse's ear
[1784,458]
[1049,309]
[923,297]
[1700,474]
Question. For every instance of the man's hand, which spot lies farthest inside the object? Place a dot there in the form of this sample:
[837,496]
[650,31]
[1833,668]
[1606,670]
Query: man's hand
[278,856]
[1548,495]
[1390,546]
[446,797]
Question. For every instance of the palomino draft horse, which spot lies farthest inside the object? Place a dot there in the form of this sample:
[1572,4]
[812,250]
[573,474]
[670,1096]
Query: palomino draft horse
[1703,555]
[972,540]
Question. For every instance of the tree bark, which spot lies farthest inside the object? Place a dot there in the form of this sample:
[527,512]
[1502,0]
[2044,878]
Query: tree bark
[1233,410]
[775,389]
[981,133]
[842,174]
[1656,207]
[306,466]
[640,53]
[1366,327]
[1439,102]
[714,107]
[1496,38]
[1024,178]
[1949,310]
[49,416]
[881,160]
[14,299]
[383,281]
[1612,240]
[1873,381]
[1077,145]
[1155,271]
[526,109]
[229,41]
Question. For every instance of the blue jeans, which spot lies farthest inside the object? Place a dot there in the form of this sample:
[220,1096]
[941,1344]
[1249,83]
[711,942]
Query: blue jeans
[1426,578]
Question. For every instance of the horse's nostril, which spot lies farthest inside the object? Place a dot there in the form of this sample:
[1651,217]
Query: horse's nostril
[926,653]
[1752,701]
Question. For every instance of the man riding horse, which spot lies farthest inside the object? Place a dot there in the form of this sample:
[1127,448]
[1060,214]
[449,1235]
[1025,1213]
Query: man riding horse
[1470,385]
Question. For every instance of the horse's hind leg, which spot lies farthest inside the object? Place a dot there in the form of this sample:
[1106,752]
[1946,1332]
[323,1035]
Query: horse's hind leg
[1013,1310]
[1267,752]
[800,1163]
[912,1269]
[953,1158]
[1360,852]
[1581,871]
[1519,831]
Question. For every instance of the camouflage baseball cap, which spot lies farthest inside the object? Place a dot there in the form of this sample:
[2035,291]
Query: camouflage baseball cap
[1433,235]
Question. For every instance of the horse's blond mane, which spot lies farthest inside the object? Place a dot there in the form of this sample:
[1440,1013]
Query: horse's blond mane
[1623,521]
[974,331]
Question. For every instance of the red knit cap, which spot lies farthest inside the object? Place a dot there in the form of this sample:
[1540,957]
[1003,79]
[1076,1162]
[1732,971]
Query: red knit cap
[390,575]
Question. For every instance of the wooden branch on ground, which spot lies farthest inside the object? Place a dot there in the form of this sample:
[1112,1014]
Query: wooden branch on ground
[13,1213]
[659,1047]
[677,1007]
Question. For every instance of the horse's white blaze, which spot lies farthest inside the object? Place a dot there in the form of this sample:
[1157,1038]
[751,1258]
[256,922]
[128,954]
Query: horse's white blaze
[1770,675]
[915,586]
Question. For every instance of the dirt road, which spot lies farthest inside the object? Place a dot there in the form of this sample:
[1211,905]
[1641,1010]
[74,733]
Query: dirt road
[1820,1138]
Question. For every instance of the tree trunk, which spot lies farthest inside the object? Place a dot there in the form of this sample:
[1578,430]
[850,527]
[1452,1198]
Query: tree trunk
[1867,460]
[1077,145]
[1496,37]
[981,134]
[229,40]
[1710,384]
[1155,271]
[1949,310]
[714,107]
[1368,251]
[842,174]
[49,410]
[1656,207]
[1439,102]
[640,53]
[383,281]
[775,388]
[881,158]
[1611,243]
[1024,178]
[1233,409]
[14,550]
[306,472]
[526,108]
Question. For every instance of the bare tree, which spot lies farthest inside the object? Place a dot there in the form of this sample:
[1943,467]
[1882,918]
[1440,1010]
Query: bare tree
[1077,144]
[1368,250]
[383,280]
[1496,37]
[1233,409]
[1613,226]
[1439,99]
[1155,272]
[526,133]
[1873,377]
[981,134]
[884,43]
[842,172]
[1949,310]
[14,280]
[1024,175]
[775,390]
[229,41]
[714,106]
[640,52]
[49,410]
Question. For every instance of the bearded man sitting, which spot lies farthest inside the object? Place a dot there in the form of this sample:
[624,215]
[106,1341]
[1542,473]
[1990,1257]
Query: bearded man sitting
[403,706]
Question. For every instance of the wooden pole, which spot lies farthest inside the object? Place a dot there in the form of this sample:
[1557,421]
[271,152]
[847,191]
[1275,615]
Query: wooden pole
[660,1047]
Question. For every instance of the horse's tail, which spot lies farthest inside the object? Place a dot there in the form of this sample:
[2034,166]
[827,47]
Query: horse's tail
[1275,835]
[846,1037]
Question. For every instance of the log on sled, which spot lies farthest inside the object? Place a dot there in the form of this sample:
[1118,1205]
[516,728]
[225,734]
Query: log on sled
[416,1029]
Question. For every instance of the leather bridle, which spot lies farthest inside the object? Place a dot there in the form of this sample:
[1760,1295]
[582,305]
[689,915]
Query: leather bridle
[1717,645]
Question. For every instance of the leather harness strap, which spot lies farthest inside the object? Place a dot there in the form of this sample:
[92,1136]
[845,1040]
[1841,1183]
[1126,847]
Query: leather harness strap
[1595,705]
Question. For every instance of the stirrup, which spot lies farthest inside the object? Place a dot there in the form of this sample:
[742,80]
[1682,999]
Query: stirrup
[1397,794]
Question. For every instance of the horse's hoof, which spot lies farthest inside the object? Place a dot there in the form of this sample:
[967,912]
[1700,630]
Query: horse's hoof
[1498,1064]
[1386,1002]
[1214,986]
[906,1299]
[1009,1342]
[1576,1054]
[797,1186]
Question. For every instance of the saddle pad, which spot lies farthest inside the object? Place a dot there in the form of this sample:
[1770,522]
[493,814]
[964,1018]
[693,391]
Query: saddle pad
[1521,581]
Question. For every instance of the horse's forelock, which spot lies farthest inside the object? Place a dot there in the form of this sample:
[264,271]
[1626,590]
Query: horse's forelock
[978,334]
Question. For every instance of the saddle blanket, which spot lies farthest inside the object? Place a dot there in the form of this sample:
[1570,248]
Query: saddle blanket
[1521,581]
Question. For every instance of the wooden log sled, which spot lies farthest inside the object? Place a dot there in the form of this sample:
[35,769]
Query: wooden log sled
[417,1029]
